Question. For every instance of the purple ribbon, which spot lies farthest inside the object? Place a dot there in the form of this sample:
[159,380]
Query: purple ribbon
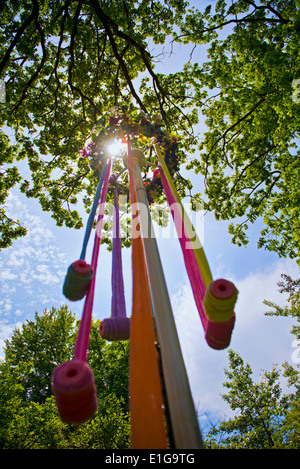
[82,342]
[118,307]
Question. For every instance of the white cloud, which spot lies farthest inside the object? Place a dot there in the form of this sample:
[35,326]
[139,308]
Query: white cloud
[264,337]
[7,306]
[7,274]
[262,341]
[31,269]
[15,260]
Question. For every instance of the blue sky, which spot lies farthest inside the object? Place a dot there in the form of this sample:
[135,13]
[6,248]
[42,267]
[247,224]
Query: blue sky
[33,269]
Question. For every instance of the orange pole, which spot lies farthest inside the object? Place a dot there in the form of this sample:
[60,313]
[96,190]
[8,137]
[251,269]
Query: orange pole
[148,429]
[183,420]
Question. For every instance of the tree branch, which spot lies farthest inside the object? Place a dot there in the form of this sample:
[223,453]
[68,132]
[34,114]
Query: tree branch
[270,8]
[241,119]
[248,166]
[72,61]
[39,68]
[248,19]
[106,21]
[33,15]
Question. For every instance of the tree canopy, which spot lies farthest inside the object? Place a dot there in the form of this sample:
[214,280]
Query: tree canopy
[250,154]
[66,64]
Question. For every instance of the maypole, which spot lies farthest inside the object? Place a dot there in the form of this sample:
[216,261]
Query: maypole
[146,401]
[161,404]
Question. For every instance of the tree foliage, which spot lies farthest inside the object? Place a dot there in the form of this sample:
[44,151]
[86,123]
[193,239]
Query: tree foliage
[265,417]
[261,409]
[66,64]
[28,414]
[292,309]
[249,154]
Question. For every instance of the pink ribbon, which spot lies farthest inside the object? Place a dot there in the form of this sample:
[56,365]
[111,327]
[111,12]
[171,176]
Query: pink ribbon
[190,261]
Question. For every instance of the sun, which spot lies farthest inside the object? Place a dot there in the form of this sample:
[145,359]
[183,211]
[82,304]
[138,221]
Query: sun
[116,148]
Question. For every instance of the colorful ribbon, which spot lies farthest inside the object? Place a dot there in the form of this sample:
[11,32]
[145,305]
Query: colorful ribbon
[82,342]
[73,382]
[118,307]
[92,215]
[188,227]
[191,265]
[117,327]
[79,274]
[214,300]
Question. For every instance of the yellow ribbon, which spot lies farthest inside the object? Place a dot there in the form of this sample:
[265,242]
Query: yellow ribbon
[219,309]
[190,231]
